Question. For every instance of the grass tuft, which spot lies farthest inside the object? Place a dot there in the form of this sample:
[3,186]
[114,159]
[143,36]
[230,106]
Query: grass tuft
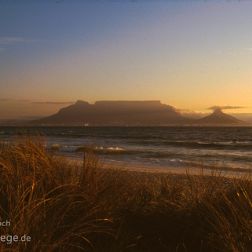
[65,206]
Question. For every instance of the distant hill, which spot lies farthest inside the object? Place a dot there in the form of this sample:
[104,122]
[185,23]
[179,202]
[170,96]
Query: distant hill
[218,117]
[119,113]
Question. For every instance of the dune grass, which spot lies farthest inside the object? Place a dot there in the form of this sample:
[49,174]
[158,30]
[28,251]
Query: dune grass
[65,206]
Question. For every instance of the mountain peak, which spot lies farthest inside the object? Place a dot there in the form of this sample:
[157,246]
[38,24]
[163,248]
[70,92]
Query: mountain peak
[218,111]
[219,117]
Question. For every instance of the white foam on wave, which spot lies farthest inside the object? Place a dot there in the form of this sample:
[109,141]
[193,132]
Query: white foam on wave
[116,148]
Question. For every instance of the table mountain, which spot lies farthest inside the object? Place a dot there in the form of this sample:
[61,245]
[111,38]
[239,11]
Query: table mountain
[121,113]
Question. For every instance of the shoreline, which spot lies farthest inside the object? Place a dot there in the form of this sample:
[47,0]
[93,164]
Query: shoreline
[159,170]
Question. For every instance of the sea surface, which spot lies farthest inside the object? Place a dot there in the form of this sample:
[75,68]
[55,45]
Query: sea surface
[225,148]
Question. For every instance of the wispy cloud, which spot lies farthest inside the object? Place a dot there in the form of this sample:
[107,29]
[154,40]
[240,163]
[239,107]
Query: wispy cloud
[53,103]
[15,40]
[13,100]
[234,51]
[249,49]
[225,107]
[6,42]
[9,100]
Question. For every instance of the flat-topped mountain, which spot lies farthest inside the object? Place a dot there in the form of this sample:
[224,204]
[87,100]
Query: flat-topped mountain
[218,117]
[131,113]
[116,113]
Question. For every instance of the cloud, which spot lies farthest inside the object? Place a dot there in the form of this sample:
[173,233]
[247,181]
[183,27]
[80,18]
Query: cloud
[36,102]
[234,52]
[6,42]
[15,40]
[225,107]
[13,100]
[11,40]
[53,103]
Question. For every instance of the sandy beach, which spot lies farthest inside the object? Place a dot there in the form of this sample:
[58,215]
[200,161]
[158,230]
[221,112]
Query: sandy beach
[131,167]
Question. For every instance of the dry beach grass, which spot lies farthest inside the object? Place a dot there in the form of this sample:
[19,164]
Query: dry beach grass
[65,207]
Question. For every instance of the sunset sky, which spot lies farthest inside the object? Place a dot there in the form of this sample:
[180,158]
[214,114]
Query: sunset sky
[189,54]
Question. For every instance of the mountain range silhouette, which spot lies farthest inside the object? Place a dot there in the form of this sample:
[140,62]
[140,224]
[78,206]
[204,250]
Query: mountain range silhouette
[130,113]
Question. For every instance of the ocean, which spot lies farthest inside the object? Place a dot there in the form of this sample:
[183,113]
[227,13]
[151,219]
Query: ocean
[224,148]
